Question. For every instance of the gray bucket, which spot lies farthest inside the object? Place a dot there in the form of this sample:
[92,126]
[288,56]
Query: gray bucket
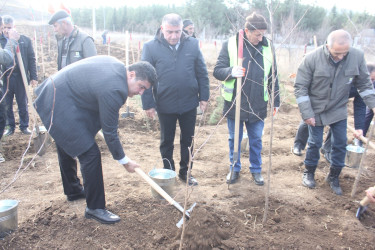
[353,156]
[8,217]
[165,178]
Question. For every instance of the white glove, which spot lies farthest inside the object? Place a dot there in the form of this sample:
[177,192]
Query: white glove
[238,71]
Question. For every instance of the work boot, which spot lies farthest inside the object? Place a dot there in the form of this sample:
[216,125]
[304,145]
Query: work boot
[308,176]
[234,179]
[258,179]
[333,180]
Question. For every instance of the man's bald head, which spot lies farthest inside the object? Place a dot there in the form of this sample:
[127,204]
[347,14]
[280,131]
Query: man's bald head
[341,37]
[338,44]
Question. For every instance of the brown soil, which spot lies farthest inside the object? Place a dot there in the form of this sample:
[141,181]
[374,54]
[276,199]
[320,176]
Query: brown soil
[297,218]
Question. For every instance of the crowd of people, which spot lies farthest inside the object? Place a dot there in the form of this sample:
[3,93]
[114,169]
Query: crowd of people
[88,91]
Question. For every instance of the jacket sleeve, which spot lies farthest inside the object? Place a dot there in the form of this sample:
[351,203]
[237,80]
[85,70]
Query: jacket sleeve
[31,61]
[202,77]
[109,106]
[148,101]
[277,92]
[363,83]
[6,55]
[88,48]
[222,70]
[301,87]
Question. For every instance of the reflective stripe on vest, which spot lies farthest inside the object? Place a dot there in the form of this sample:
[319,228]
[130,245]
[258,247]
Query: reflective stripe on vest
[228,86]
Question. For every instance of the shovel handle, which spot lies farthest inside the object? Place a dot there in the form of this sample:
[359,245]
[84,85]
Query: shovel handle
[155,186]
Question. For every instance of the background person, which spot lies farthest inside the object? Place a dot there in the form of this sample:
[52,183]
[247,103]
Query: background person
[6,60]
[16,87]
[73,44]
[182,85]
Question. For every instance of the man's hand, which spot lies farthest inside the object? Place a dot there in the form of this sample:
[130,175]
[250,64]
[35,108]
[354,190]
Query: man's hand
[275,110]
[34,83]
[203,105]
[370,194]
[13,34]
[151,113]
[358,133]
[310,121]
[238,71]
[130,166]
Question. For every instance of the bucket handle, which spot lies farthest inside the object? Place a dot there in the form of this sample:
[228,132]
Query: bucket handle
[170,165]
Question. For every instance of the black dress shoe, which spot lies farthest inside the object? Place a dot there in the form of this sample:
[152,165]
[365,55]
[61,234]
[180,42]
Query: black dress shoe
[258,179]
[234,179]
[192,181]
[297,151]
[8,132]
[74,197]
[26,131]
[101,215]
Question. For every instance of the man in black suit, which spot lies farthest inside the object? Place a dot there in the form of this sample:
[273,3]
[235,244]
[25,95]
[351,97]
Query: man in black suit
[75,104]
[16,87]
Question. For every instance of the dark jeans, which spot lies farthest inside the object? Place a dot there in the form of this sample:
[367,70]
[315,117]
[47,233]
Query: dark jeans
[2,115]
[16,88]
[338,139]
[368,119]
[91,169]
[167,135]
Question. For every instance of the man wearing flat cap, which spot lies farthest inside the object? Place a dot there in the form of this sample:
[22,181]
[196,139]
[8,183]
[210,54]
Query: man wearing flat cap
[255,94]
[73,44]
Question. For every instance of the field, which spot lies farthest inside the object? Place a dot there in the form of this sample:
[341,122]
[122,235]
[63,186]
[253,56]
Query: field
[224,218]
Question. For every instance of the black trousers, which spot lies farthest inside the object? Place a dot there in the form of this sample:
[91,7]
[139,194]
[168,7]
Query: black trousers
[167,134]
[3,117]
[91,169]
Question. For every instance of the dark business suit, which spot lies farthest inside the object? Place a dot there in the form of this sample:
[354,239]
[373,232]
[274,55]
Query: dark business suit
[89,95]
[16,87]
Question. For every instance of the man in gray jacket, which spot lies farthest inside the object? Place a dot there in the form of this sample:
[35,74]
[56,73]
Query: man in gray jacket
[75,104]
[182,86]
[73,44]
[322,88]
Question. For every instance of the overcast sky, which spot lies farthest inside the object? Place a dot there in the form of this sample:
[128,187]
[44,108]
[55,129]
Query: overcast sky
[355,5]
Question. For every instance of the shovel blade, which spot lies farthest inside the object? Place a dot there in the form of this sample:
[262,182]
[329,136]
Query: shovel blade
[361,210]
[39,147]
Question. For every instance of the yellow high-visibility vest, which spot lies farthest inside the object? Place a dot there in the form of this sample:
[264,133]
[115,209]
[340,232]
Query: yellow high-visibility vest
[228,86]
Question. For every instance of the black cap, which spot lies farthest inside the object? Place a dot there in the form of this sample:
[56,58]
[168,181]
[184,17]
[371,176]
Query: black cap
[187,22]
[57,16]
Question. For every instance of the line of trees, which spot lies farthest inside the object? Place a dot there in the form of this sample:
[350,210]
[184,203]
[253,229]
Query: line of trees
[215,18]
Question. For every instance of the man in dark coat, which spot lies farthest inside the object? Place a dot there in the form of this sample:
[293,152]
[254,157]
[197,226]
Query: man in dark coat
[75,104]
[256,91]
[6,59]
[182,85]
[16,87]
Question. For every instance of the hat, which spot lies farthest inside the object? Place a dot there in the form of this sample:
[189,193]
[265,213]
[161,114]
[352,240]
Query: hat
[57,16]
[187,22]
[256,22]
